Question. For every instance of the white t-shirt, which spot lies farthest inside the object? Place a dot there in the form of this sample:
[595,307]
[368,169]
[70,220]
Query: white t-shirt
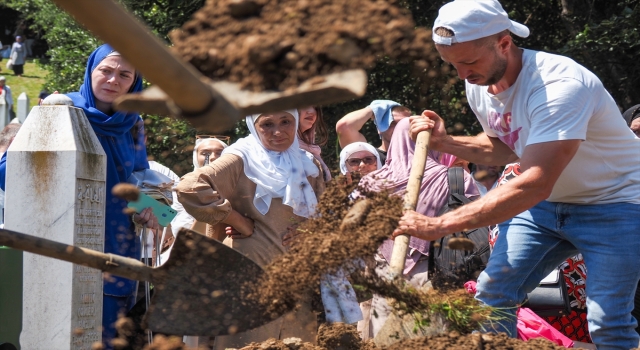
[554,98]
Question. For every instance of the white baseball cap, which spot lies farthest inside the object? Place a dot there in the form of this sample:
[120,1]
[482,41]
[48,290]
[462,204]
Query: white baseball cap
[474,19]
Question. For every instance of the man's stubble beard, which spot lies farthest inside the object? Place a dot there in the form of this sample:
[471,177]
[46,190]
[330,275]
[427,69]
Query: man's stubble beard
[497,73]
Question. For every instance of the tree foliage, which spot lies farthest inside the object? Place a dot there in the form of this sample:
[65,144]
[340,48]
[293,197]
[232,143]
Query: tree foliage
[602,35]
[170,141]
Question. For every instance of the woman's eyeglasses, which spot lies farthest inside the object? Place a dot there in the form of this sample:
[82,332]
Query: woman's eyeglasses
[222,138]
[366,160]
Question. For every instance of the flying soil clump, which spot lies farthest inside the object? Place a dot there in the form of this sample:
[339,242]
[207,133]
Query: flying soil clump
[323,246]
[277,44]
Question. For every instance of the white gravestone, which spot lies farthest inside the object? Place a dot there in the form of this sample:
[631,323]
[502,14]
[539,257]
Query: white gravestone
[4,110]
[23,107]
[55,189]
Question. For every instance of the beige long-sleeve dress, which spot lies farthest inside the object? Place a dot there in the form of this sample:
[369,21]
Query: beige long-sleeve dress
[209,194]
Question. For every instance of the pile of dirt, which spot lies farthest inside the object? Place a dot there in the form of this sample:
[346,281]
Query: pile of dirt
[285,344]
[323,246]
[344,337]
[455,340]
[335,336]
[277,44]
[339,337]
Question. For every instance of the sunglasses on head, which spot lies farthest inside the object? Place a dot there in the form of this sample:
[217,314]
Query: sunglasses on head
[366,160]
[222,138]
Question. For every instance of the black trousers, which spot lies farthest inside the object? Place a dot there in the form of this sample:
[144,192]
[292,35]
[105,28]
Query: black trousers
[18,69]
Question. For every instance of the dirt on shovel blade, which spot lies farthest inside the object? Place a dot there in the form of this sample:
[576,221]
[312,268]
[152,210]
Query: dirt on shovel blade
[277,44]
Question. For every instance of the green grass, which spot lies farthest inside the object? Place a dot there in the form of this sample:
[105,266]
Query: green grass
[31,81]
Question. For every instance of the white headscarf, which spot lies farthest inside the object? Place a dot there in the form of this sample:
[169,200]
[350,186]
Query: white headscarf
[277,174]
[354,147]
[199,142]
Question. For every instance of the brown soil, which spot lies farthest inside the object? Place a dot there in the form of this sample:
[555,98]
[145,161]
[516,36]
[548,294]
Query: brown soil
[334,239]
[323,246]
[454,340]
[276,44]
[344,337]
[126,191]
[340,337]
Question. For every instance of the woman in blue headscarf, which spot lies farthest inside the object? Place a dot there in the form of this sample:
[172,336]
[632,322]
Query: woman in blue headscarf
[121,135]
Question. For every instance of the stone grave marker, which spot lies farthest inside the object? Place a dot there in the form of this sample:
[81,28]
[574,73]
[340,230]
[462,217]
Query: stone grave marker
[23,107]
[55,189]
[4,110]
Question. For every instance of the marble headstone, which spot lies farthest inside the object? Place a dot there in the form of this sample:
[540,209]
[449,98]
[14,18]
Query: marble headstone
[4,110]
[55,189]
[23,107]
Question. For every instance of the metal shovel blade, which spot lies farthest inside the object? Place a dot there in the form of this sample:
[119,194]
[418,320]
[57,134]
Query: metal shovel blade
[321,90]
[203,293]
[208,106]
[198,291]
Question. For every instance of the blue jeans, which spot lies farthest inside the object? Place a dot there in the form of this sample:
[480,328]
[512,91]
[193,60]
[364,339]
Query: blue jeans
[536,241]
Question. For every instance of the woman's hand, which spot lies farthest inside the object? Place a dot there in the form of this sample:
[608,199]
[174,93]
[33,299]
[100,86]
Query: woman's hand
[146,218]
[428,120]
[289,237]
[239,226]
[235,234]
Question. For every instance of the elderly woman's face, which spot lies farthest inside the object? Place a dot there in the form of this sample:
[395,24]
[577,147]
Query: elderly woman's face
[363,162]
[276,131]
[308,116]
[210,148]
[112,78]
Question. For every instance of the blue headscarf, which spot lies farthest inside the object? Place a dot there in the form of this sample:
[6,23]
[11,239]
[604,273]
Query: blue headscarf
[121,135]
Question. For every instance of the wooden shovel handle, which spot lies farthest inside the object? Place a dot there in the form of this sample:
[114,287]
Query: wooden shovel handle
[113,24]
[401,242]
[114,264]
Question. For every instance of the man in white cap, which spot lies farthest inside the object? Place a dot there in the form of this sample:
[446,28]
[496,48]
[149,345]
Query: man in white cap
[578,192]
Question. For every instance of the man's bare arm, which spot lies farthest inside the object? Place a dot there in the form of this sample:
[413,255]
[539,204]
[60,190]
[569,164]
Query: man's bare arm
[480,149]
[541,164]
[348,127]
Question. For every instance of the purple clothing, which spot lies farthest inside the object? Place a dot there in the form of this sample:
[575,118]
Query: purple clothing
[434,191]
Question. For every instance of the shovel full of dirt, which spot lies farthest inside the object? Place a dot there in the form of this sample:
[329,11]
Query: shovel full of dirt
[181,90]
[198,291]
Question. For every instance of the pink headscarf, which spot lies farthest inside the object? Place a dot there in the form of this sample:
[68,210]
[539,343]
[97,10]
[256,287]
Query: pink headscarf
[394,175]
[315,150]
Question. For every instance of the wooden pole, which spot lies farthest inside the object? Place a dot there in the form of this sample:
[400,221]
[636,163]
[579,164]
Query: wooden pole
[401,242]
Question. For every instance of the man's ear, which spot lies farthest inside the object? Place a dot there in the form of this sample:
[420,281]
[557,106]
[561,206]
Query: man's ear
[504,44]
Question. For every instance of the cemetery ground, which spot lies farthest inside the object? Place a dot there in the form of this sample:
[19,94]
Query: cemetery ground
[31,81]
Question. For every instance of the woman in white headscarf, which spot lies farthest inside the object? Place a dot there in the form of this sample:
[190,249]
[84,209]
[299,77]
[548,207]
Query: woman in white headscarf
[259,187]
[207,150]
[359,157]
